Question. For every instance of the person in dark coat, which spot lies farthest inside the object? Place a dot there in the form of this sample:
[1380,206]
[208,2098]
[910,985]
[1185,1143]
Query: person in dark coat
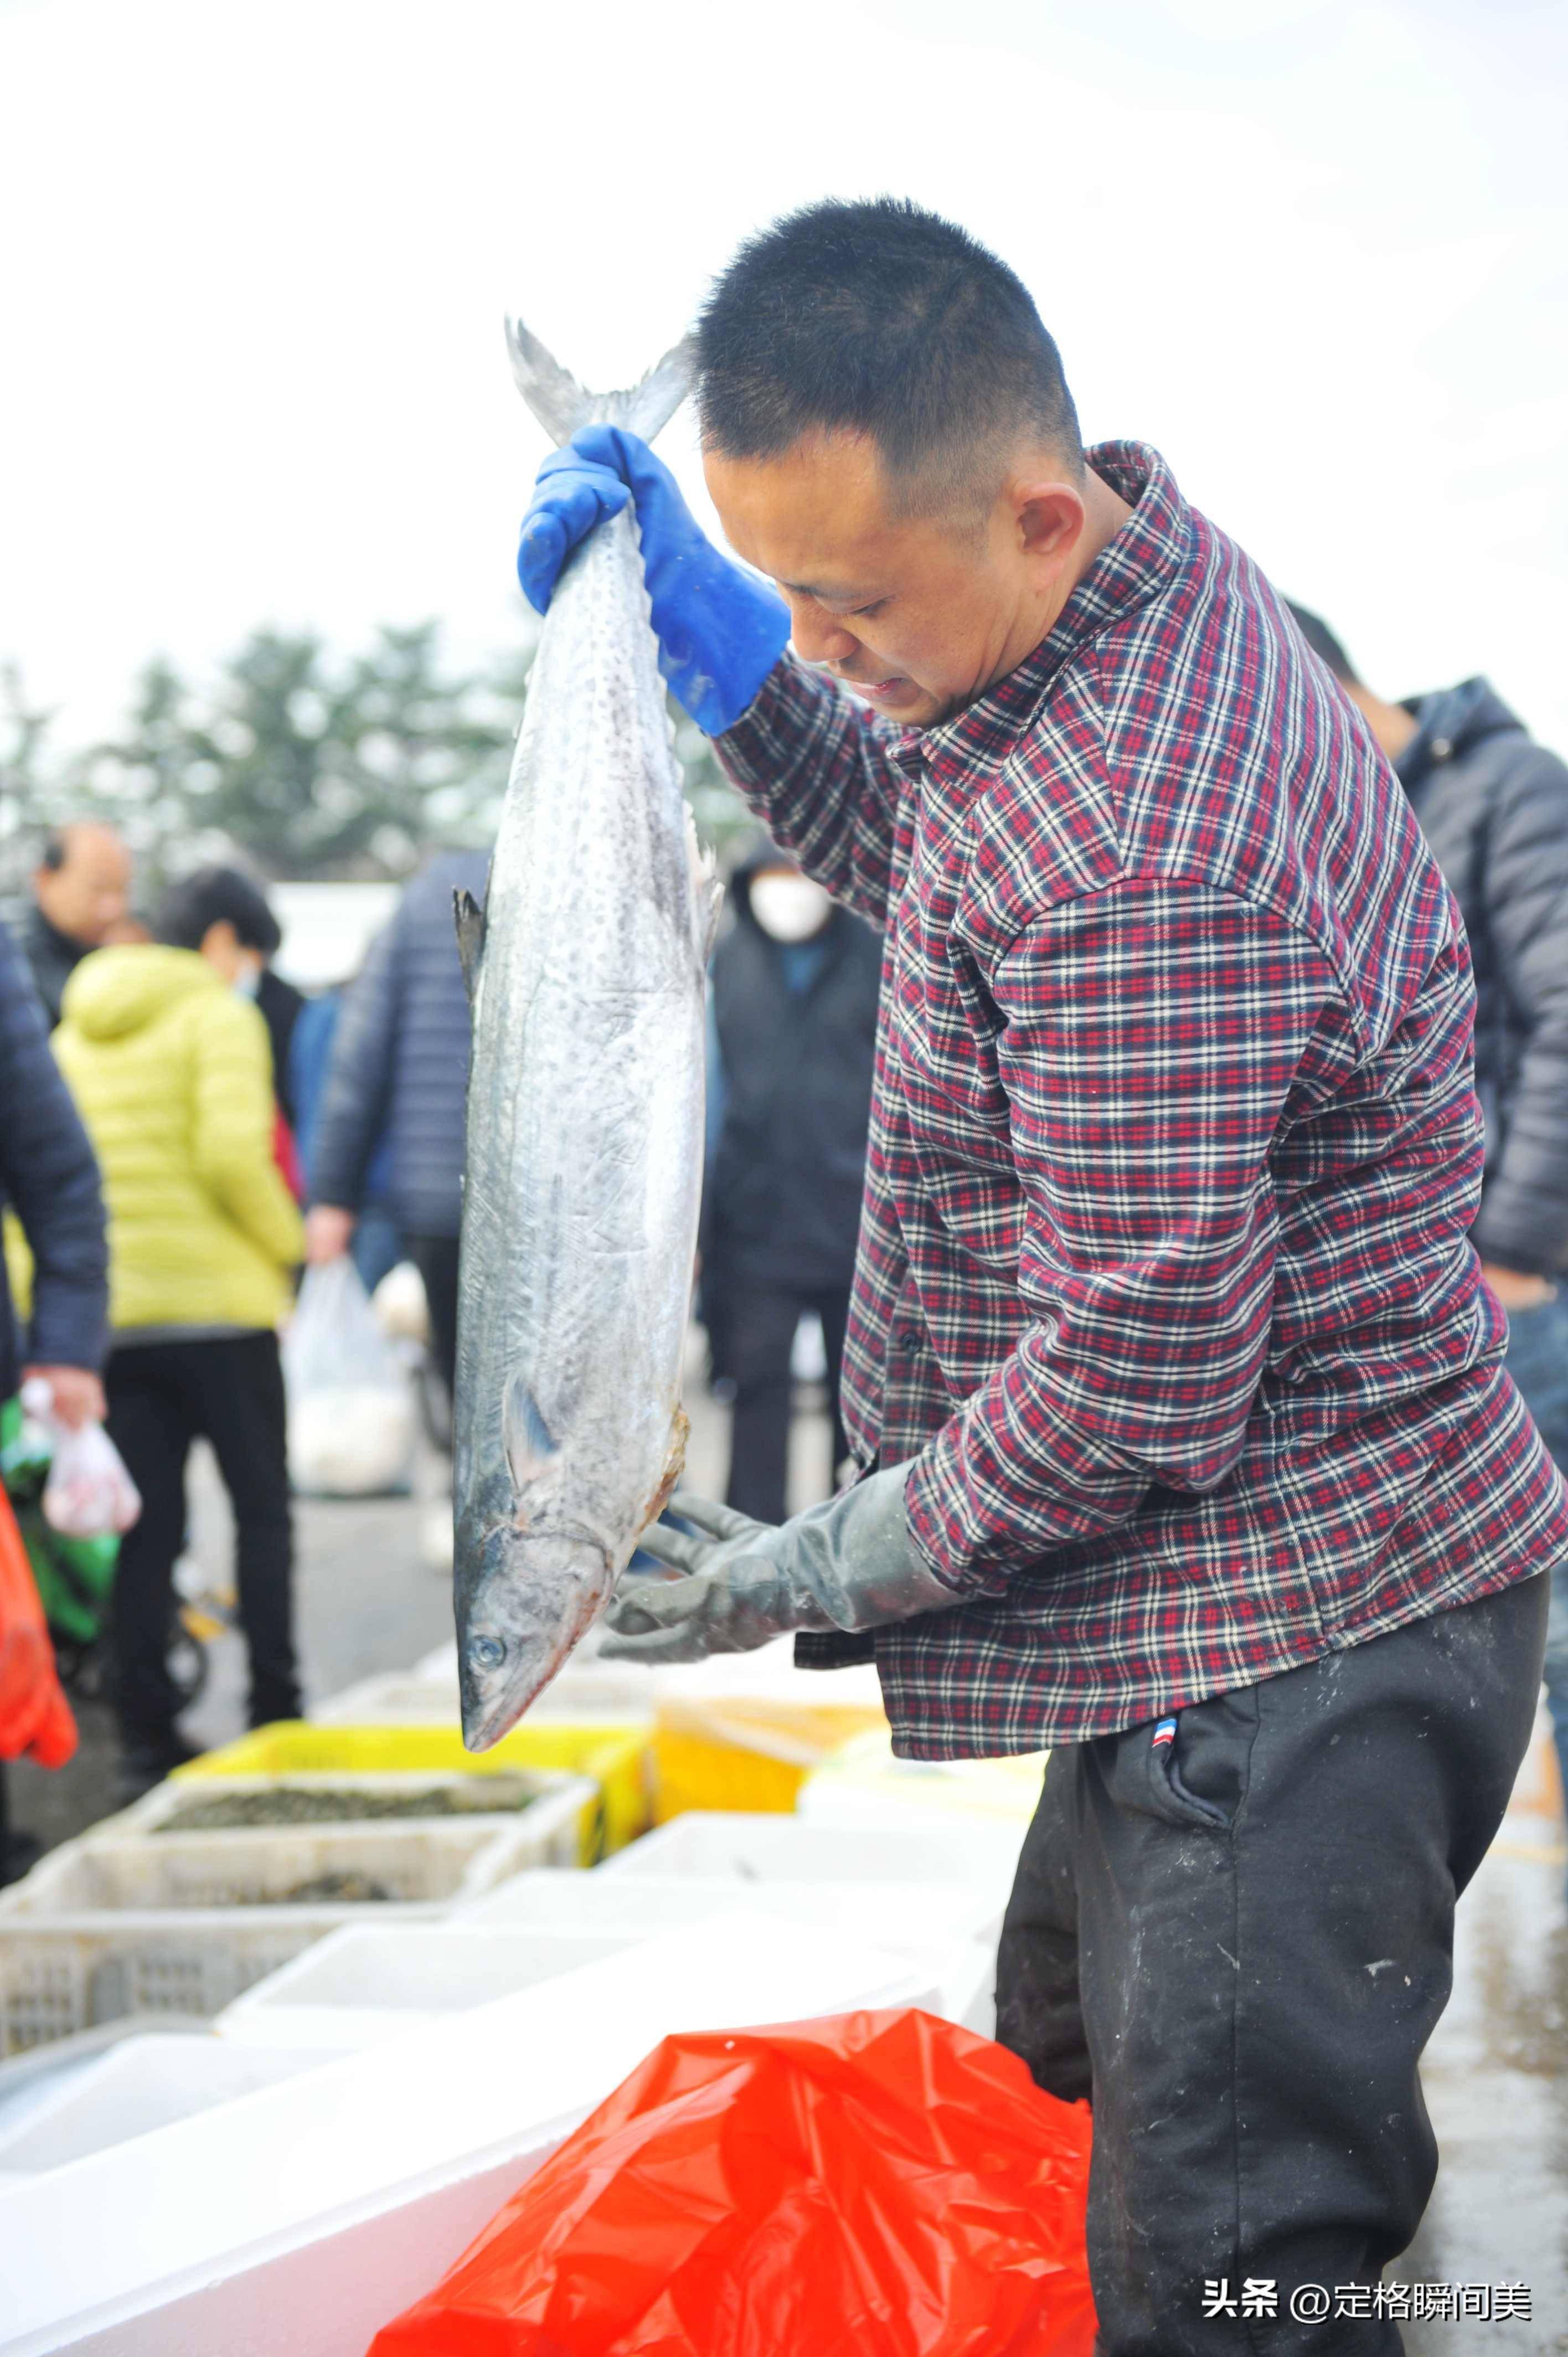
[1493,804]
[81,895]
[49,1179]
[399,1065]
[792,1036]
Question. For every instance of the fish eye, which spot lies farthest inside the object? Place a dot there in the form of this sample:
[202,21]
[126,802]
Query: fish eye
[487,1653]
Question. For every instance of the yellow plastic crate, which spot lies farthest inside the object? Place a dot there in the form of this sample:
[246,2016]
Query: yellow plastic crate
[746,1754]
[617,1758]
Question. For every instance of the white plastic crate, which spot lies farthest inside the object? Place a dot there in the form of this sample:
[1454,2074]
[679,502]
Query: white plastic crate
[138,2085]
[63,1974]
[366,1984]
[411,1860]
[128,1922]
[766,1849]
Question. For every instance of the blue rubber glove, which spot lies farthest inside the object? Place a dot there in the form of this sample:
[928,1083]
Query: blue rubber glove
[719,629]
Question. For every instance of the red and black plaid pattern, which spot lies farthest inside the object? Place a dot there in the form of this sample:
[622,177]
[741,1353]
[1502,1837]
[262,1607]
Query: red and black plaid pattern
[1164,1276]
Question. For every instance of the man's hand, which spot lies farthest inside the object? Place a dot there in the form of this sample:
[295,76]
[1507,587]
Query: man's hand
[720,629]
[1517,1288]
[850,1563]
[76,1395]
[328,1231]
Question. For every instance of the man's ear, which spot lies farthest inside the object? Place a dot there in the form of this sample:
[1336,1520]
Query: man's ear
[1050,517]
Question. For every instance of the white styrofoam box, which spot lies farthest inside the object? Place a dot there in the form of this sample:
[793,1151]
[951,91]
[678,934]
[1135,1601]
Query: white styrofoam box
[969,1988]
[140,2084]
[864,1784]
[408,1859]
[907,1917]
[366,1984]
[762,1849]
[306,2215]
[400,1698]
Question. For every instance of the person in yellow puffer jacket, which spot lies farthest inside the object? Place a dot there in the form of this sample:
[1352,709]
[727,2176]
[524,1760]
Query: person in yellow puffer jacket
[171,1071]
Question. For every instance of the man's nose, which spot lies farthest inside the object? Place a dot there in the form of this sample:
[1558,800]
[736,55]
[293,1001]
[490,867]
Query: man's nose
[817,636]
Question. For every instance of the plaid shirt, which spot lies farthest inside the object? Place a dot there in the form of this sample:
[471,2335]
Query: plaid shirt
[1163,1279]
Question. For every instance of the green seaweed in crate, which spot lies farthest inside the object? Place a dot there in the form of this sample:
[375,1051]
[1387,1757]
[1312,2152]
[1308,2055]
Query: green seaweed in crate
[326,1805]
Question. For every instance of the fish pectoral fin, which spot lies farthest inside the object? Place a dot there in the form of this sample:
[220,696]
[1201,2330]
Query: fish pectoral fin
[524,1434]
[470,923]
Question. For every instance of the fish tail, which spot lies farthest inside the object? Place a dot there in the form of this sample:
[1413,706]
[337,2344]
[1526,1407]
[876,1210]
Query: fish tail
[561,405]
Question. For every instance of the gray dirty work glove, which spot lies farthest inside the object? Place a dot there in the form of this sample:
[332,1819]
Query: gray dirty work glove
[848,1564]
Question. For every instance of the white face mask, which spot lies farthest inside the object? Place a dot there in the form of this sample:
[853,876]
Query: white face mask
[789,908]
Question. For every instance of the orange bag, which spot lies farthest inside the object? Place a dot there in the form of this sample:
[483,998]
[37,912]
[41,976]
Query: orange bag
[881,2185]
[34,1715]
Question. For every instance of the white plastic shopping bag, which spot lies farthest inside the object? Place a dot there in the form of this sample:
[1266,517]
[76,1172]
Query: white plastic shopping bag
[87,1493]
[350,1407]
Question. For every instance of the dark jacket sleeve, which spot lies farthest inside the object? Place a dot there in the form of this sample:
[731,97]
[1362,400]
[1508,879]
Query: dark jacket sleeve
[49,1175]
[355,1095]
[1523,1222]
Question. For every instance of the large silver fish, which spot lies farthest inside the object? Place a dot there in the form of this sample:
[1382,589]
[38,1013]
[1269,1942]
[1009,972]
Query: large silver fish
[585,1138]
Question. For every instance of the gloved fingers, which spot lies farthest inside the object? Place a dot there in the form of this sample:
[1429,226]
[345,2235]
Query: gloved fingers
[719,1522]
[569,500]
[677,1550]
[641,1606]
[628,456]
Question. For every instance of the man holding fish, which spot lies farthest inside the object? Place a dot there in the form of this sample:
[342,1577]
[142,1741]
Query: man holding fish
[1186,1448]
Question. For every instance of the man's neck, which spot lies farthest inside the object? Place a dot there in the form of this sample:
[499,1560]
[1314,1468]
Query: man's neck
[1391,724]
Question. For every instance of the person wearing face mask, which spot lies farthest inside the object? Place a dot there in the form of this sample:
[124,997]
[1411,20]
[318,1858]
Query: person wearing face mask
[170,1068]
[792,1034]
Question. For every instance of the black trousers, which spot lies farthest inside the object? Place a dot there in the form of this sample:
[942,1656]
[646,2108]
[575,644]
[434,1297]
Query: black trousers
[760,1324]
[1236,1939]
[436,1257]
[162,1396]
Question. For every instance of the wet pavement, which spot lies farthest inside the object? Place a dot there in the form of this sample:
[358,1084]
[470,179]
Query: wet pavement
[1495,2073]
[1495,2076]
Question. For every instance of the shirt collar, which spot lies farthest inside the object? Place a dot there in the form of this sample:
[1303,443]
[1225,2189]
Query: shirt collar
[1134,565]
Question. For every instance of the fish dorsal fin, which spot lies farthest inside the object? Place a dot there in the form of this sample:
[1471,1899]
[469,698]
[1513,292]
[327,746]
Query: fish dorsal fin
[524,1434]
[708,892]
[561,405]
[470,922]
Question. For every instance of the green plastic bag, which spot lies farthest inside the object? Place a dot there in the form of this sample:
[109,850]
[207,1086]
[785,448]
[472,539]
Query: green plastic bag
[75,1578]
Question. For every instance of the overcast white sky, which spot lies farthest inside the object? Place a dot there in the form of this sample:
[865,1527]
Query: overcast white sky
[256,253]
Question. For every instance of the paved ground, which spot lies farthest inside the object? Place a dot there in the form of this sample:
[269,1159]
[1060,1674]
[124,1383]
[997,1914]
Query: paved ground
[1495,2076]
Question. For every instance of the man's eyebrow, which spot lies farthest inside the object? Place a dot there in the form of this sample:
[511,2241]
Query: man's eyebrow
[838,597]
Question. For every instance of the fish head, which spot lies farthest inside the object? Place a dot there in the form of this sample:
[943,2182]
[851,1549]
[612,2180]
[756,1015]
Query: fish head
[525,1596]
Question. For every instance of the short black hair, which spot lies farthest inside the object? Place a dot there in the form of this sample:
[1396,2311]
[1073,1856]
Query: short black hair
[1324,643]
[882,319]
[210,897]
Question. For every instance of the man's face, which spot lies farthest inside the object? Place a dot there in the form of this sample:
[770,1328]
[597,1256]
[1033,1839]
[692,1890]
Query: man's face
[88,895]
[918,614]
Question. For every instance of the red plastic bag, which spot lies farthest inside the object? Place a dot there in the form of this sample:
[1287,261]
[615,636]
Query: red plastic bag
[35,1717]
[880,2185]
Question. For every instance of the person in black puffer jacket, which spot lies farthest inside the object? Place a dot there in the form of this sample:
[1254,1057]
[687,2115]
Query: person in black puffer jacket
[792,1036]
[1493,804]
[399,1065]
